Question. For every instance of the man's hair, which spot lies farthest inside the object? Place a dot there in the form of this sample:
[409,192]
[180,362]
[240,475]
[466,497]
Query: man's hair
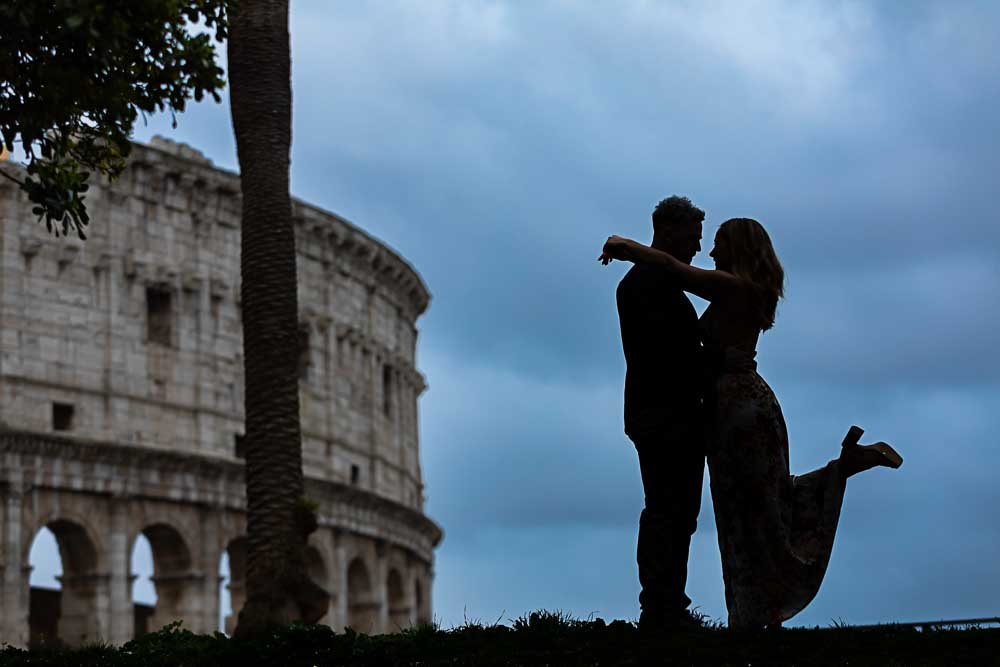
[674,211]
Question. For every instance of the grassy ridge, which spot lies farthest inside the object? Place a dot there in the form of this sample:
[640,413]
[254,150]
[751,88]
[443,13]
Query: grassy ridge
[541,638]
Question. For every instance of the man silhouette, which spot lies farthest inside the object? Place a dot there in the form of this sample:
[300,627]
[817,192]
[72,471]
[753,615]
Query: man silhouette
[663,414]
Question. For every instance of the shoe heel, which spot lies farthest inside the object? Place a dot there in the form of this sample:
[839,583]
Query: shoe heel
[853,436]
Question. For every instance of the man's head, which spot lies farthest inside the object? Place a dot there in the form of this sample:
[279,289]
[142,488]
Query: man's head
[677,228]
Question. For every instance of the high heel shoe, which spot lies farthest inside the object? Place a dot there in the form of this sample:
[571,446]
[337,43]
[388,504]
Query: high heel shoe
[858,458]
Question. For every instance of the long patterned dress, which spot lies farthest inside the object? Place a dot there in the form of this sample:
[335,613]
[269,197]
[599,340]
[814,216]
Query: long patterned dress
[776,530]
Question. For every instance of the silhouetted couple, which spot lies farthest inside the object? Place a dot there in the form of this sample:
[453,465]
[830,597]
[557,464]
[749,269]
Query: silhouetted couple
[691,391]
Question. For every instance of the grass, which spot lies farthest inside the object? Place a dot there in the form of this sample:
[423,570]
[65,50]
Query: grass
[539,638]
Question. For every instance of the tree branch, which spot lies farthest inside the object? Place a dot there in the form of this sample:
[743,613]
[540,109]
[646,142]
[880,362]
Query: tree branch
[9,177]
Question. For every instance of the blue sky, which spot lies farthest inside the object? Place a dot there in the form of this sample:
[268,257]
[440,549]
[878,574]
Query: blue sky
[496,144]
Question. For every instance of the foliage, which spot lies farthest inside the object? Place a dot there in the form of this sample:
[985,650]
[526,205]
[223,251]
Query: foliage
[75,75]
[541,638]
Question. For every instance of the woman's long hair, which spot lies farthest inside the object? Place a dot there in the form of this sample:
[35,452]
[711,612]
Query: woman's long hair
[754,260]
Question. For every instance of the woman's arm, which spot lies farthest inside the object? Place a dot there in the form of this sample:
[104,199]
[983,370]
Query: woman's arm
[709,285]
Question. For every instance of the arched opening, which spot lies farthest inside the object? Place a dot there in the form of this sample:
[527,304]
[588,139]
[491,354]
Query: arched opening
[315,566]
[235,586]
[361,605]
[418,601]
[143,589]
[225,604]
[175,586]
[399,608]
[63,588]
[45,590]
[316,569]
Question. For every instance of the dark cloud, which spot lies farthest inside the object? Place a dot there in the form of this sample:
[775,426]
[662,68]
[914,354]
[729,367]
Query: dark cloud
[496,145]
[928,322]
[515,142]
[520,453]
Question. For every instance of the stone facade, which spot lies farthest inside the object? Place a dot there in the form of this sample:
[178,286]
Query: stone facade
[121,405]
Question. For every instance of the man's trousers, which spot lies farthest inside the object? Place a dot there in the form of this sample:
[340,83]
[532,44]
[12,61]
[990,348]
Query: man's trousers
[672,468]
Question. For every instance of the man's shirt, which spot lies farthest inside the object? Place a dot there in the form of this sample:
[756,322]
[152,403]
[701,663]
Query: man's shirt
[662,353]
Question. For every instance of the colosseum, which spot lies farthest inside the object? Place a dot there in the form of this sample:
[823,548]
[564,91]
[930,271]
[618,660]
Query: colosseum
[121,409]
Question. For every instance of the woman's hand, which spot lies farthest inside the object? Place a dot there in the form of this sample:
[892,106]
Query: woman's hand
[616,247]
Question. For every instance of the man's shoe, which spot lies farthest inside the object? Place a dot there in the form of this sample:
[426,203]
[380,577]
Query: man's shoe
[659,623]
[689,622]
[651,622]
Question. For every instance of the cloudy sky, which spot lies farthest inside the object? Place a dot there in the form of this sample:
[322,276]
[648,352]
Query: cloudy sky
[496,144]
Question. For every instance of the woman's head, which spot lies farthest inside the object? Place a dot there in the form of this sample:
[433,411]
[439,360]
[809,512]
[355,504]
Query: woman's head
[743,248]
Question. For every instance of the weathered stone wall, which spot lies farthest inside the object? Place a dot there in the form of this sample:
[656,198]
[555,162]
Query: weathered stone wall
[374,556]
[77,325]
[129,346]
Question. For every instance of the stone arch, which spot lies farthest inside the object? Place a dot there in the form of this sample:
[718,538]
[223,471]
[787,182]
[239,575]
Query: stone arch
[72,523]
[77,549]
[177,585]
[362,608]
[155,519]
[236,551]
[70,616]
[420,602]
[171,554]
[396,598]
[316,568]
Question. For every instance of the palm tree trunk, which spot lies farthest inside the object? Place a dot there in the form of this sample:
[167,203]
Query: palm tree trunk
[278,522]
